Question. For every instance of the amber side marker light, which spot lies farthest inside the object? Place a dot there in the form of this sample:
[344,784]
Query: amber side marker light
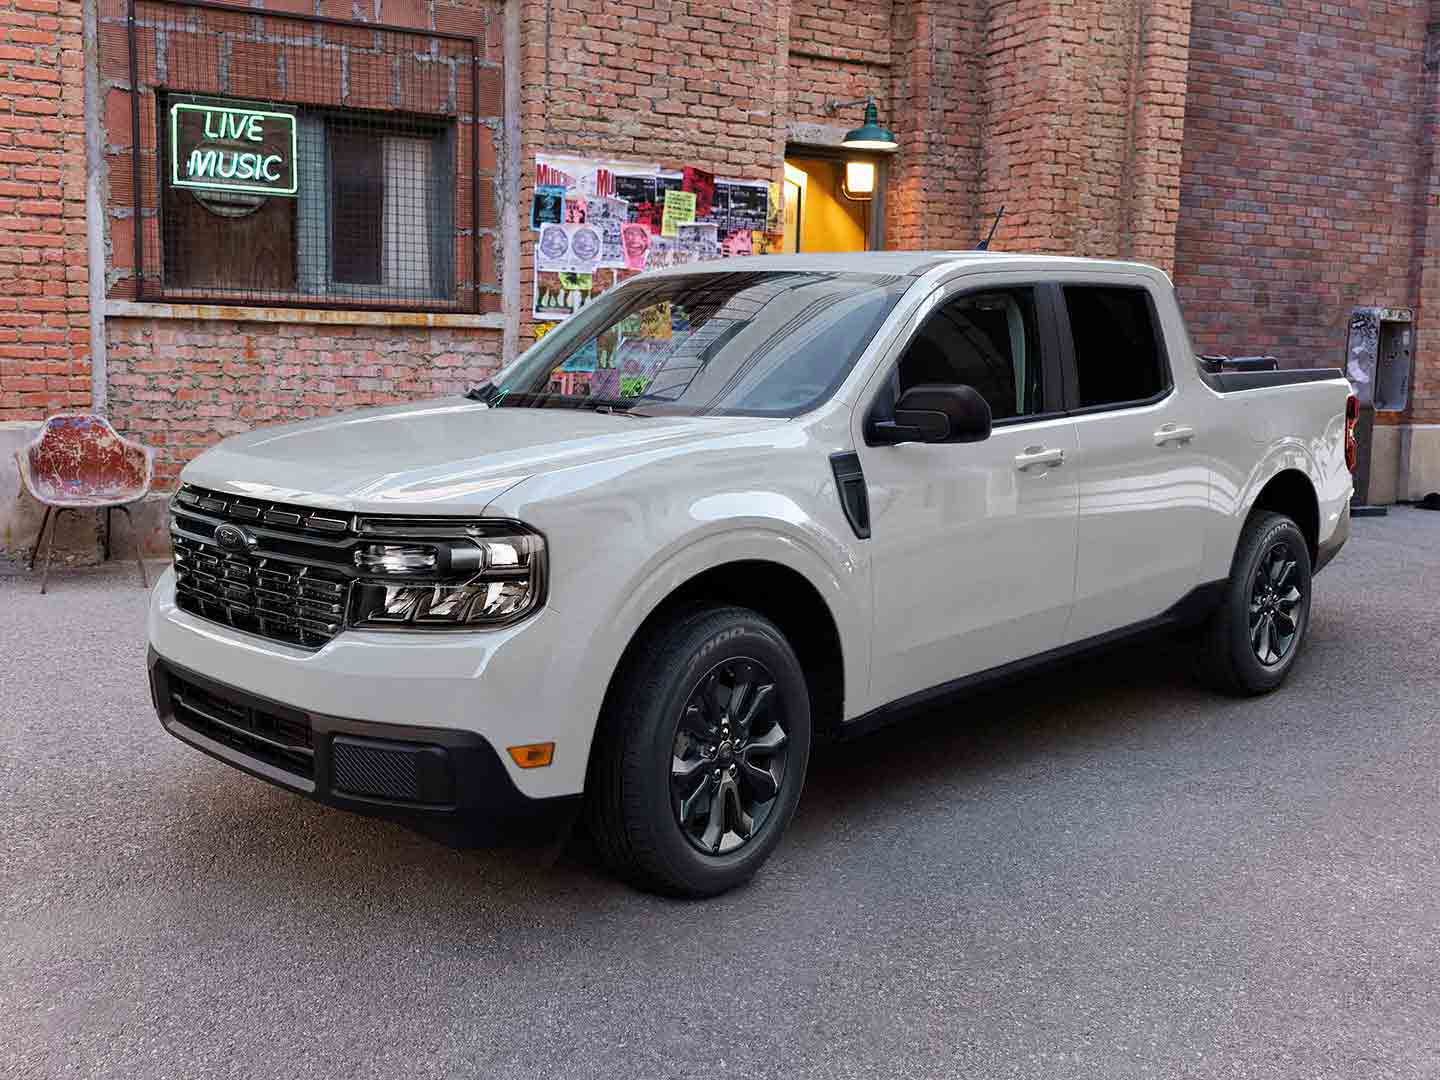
[533,755]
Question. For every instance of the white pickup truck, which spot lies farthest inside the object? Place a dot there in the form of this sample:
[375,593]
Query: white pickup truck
[726,511]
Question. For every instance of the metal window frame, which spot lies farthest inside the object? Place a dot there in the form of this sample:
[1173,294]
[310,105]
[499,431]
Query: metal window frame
[162,295]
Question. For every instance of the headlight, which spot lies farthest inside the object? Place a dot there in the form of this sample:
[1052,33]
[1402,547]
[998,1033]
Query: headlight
[426,575]
[397,558]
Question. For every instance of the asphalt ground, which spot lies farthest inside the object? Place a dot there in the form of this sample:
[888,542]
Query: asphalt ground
[1104,872]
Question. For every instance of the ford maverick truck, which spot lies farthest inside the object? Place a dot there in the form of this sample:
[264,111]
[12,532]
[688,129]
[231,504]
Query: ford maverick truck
[723,512]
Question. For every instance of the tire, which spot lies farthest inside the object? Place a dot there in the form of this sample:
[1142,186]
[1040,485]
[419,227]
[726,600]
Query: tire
[1237,655]
[665,735]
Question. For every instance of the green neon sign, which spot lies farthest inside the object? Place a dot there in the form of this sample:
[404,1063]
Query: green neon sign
[232,148]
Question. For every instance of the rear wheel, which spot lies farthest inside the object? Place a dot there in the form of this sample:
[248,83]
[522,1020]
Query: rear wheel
[701,754]
[1252,639]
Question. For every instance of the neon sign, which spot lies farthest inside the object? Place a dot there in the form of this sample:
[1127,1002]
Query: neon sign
[232,148]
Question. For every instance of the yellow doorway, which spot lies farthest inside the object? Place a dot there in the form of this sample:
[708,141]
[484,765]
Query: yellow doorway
[820,213]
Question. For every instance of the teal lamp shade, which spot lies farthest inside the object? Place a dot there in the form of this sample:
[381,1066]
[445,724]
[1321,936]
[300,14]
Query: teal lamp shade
[870,135]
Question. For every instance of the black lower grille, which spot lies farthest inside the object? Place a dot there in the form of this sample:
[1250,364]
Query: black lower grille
[279,739]
[391,770]
[373,769]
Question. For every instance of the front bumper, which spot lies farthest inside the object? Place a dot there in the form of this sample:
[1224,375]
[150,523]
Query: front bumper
[513,686]
[445,783]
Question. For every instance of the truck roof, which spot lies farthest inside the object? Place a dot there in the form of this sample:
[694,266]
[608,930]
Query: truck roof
[910,263]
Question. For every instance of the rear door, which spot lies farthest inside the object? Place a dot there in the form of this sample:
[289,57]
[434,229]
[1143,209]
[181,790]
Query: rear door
[1144,481]
[972,544]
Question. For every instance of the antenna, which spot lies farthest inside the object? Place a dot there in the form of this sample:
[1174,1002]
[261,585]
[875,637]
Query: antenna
[985,244]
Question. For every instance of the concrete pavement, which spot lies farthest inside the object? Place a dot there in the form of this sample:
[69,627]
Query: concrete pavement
[1105,873]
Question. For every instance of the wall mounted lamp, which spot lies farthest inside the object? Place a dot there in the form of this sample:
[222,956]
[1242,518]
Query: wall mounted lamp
[869,135]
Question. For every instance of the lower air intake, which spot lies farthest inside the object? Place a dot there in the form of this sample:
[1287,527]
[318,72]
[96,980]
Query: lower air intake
[395,772]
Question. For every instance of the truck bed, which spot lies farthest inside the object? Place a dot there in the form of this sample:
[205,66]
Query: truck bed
[1228,382]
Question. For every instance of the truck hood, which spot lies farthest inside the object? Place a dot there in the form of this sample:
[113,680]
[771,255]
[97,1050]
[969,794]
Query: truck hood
[445,456]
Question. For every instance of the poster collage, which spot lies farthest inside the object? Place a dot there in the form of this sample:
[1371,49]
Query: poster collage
[598,222]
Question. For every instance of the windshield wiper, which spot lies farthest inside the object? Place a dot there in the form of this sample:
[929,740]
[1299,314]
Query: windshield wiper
[603,404]
[486,393]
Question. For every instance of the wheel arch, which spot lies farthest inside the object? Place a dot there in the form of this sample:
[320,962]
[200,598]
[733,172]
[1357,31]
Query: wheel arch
[783,595]
[1292,493]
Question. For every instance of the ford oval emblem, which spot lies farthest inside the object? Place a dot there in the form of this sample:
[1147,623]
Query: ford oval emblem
[233,538]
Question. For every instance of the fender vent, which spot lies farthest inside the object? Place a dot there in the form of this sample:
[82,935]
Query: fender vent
[850,483]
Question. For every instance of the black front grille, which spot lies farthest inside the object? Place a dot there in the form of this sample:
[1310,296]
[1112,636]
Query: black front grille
[287,579]
[281,739]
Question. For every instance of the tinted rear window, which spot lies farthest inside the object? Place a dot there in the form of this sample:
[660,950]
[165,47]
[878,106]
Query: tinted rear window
[1117,345]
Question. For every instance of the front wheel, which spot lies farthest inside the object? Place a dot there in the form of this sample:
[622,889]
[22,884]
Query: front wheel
[1252,639]
[701,754]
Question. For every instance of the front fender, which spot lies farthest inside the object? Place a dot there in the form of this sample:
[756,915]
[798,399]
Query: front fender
[624,535]
[841,580]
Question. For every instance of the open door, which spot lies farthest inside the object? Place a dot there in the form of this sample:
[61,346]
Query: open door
[833,202]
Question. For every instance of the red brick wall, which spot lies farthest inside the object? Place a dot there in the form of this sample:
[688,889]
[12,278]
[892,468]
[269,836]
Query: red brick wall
[918,59]
[44,322]
[1425,271]
[183,385]
[1157,131]
[840,50]
[1068,115]
[1300,171]
[1017,90]
[1082,122]
[934,190]
[683,82]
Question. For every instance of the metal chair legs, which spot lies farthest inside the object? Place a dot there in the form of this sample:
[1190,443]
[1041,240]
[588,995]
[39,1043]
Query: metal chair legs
[50,548]
[50,542]
[134,539]
[40,535]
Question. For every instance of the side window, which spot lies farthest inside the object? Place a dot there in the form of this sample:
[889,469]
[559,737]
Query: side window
[988,341]
[1117,344]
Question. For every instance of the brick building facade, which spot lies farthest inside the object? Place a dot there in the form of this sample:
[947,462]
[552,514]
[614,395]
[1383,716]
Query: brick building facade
[1278,159]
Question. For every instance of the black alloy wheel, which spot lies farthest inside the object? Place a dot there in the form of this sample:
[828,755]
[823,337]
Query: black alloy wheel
[1275,599]
[700,755]
[1250,642]
[729,756]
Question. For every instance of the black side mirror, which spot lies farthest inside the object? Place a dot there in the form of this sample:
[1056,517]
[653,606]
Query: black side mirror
[935,413]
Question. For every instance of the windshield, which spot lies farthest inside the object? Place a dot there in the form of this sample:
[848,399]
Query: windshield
[763,343]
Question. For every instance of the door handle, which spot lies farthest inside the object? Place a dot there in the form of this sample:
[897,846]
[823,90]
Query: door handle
[1038,455]
[1174,433]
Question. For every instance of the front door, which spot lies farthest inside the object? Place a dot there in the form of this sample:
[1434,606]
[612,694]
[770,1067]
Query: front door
[972,544]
